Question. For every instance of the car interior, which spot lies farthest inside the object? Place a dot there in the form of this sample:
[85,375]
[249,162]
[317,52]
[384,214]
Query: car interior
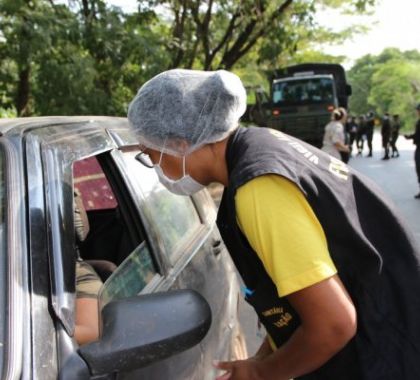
[103,239]
[109,236]
[106,237]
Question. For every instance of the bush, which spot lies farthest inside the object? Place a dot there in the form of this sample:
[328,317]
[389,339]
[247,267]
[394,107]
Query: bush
[7,113]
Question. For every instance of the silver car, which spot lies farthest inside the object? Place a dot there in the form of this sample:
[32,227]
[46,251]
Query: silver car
[170,293]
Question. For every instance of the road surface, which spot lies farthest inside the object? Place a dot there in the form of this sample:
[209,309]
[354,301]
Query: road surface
[396,177]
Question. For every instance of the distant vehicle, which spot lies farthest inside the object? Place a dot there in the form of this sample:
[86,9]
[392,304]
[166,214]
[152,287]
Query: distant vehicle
[258,110]
[302,98]
[169,306]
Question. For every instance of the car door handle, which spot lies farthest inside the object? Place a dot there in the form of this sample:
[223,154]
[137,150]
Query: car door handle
[217,247]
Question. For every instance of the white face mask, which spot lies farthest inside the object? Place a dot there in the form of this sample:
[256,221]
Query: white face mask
[185,185]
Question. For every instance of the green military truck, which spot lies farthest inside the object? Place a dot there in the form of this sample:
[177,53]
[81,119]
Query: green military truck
[301,100]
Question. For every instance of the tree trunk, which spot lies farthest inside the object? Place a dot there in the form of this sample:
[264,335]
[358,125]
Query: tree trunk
[22,96]
[250,35]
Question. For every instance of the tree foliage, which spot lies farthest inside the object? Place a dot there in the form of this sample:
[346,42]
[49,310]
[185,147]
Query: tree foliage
[87,57]
[221,34]
[389,82]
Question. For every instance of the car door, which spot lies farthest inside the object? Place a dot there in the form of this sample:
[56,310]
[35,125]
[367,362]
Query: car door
[190,246]
[187,251]
[184,249]
[15,347]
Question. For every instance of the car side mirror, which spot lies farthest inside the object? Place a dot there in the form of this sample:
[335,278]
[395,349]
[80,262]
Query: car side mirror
[141,330]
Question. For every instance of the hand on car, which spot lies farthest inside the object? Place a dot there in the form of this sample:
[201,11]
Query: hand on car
[239,370]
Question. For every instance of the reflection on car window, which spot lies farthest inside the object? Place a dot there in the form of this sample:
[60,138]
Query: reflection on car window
[130,277]
[174,216]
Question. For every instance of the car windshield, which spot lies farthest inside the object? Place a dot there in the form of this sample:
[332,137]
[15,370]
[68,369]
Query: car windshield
[303,91]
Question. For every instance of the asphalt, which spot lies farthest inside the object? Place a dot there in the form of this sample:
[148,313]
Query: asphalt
[396,177]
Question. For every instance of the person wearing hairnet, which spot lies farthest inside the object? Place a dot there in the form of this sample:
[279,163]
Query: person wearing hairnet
[338,297]
[334,138]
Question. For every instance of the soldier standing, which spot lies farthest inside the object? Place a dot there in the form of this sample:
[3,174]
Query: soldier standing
[360,134]
[416,139]
[351,130]
[370,125]
[396,125]
[386,135]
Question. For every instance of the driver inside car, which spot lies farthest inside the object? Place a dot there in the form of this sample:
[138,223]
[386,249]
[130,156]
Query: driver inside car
[88,283]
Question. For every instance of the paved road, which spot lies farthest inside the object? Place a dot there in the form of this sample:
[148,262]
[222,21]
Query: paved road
[396,176]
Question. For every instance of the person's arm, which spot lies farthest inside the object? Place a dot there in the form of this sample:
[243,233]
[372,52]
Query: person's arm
[328,322]
[264,350]
[87,320]
[338,140]
[342,147]
[88,285]
[413,135]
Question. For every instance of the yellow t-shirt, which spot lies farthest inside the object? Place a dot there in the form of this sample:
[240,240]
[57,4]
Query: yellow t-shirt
[283,230]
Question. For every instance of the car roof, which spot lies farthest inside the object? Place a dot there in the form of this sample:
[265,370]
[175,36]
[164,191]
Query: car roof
[23,123]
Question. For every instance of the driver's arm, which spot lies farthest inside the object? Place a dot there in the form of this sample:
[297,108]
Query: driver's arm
[88,285]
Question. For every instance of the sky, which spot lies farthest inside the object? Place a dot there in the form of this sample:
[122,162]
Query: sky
[395,23]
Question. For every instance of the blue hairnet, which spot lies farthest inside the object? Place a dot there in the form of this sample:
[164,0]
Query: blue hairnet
[180,110]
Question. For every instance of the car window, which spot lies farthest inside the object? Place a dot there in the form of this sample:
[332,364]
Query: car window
[98,226]
[103,227]
[174,216]
[90,181]
[114,260]
[303,91]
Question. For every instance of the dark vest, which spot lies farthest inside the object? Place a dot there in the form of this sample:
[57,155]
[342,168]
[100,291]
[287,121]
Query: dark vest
[416,135]
[374,254]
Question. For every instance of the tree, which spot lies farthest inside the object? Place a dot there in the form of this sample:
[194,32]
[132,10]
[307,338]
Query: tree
[395,87]
[87,57]
[25,30]
[360,78]
[212,34]
[78,58]
[389,82]
[119,47]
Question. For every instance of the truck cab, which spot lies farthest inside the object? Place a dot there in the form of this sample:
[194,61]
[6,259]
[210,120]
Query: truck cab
[302,98]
